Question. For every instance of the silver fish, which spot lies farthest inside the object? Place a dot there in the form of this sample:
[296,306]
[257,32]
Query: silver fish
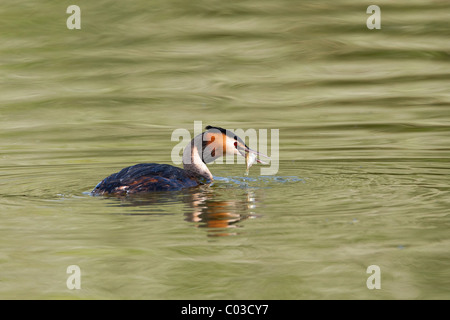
[250,159]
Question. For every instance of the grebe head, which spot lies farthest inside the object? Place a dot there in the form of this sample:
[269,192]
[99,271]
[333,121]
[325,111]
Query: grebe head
[218,142]
[214,143]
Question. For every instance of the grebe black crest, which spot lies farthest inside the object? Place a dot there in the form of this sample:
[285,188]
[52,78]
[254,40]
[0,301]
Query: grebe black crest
[215,142]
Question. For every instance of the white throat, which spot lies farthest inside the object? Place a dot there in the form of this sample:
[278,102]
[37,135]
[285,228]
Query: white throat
[192,160]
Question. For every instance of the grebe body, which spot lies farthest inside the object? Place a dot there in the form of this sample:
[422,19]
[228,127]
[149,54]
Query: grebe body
[148,177]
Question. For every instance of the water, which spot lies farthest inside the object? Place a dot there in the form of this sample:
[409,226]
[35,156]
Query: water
[364,149]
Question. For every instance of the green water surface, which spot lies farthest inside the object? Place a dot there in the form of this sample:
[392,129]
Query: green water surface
[364,149]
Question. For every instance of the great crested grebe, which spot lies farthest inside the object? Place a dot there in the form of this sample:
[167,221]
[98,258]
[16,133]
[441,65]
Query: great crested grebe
[214,143]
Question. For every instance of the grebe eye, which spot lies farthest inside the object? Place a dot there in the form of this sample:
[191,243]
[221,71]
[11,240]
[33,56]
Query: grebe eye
[235,144]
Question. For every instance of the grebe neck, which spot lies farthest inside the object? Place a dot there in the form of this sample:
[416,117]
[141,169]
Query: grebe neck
[192,160]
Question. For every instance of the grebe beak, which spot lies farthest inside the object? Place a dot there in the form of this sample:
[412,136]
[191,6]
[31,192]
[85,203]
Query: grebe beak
[243,150]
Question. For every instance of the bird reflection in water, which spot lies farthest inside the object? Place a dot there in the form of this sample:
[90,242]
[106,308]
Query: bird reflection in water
[205,207]
[221,217]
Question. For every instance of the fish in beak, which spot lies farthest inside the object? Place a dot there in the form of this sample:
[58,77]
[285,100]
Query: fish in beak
[251,156]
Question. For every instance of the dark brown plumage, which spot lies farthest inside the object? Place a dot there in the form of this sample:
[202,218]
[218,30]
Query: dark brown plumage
[148,177]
